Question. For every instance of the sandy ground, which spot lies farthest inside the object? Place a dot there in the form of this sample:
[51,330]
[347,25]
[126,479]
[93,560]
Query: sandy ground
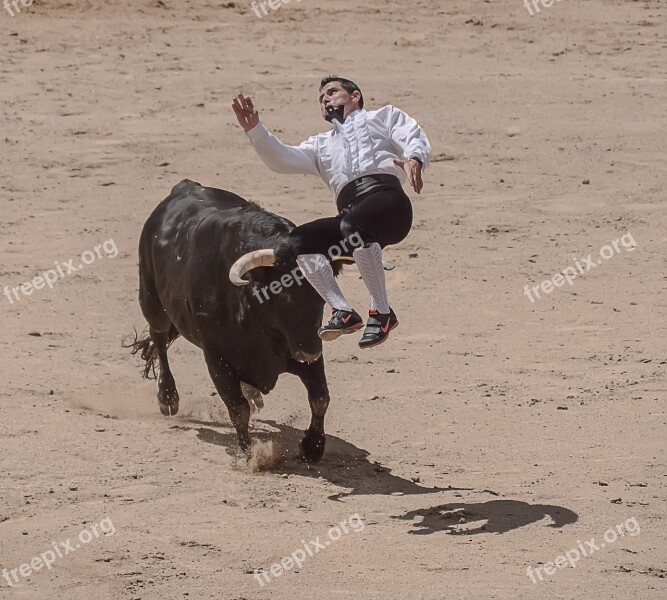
[490,435]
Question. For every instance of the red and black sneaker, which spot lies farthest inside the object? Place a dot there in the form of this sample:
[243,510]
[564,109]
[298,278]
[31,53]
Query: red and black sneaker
[377,329]
[342,321]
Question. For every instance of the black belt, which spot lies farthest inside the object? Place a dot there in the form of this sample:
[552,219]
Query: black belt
[364,185]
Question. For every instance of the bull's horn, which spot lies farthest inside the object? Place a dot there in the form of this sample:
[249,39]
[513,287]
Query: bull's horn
[348,260]
[249,261]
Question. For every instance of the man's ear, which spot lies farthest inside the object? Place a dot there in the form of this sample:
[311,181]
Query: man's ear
[356,95]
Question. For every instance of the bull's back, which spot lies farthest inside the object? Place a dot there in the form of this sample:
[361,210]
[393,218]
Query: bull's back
[188,203]
[186,249]
[171,224]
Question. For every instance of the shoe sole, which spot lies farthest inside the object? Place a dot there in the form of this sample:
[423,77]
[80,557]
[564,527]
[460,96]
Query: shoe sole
[329,335]
[384,339]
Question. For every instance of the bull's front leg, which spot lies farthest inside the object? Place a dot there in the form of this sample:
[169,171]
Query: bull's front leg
[314,378]
[229,389]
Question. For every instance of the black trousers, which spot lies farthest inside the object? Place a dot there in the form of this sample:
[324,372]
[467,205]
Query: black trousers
[371,209]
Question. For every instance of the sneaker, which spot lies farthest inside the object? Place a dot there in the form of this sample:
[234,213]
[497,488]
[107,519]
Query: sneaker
[378,328]
[342,321]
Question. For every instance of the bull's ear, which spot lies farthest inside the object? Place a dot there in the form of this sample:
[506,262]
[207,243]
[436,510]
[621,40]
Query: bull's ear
[287,251]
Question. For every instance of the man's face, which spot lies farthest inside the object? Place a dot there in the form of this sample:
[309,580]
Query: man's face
[335,94]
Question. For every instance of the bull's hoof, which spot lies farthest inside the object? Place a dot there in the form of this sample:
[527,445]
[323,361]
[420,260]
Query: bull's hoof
[244,445]
[167,400]
[168,409]
[311,447]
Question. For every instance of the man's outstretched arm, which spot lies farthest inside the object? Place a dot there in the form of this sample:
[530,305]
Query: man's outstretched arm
[278,156]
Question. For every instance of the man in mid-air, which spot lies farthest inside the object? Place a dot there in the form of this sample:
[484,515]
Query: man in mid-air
[363,159]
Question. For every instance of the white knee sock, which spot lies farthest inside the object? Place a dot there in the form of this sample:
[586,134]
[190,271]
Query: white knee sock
[319,274]
[369,262]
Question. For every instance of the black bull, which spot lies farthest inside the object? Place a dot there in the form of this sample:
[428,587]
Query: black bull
[186,249]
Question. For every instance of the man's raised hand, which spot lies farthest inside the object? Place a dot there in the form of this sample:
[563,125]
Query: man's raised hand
[245,112]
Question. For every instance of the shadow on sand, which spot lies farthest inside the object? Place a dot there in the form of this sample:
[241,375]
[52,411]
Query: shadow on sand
[494,516]
[343,464]
[346,465]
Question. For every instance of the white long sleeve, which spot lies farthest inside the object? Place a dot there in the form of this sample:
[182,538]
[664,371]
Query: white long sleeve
[367,143]
[280,157]
[408,136]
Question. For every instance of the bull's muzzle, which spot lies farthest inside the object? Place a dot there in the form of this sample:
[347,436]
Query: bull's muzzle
[307,356]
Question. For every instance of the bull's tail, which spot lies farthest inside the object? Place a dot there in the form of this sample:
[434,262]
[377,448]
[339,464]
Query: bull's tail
[148,349]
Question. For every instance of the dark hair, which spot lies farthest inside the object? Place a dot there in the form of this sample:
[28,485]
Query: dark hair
[348,86]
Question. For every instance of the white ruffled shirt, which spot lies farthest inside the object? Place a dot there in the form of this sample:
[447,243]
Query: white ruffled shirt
[365,144]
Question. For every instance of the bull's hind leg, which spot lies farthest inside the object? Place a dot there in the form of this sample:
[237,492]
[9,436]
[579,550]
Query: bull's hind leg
[314,378]
[161,333]
[229,389]
[167,395]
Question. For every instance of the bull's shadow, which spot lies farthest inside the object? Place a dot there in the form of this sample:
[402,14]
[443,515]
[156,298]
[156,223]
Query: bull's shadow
[494,516]
[343,463]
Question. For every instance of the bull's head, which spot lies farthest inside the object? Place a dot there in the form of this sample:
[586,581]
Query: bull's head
[297,308]
[267,258]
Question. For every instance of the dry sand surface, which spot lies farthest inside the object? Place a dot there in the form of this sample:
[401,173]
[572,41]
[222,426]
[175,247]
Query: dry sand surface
[489,435]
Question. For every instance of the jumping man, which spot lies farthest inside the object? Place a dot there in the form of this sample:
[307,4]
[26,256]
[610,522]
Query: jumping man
[364,159]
